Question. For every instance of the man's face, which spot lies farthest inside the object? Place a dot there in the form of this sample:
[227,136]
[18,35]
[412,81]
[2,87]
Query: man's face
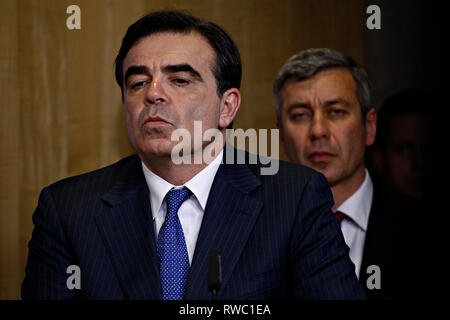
[321,124]
[168,84]
[405,155]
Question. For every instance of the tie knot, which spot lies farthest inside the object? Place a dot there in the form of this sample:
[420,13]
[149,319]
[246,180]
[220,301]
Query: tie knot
[175,199]
[340,216]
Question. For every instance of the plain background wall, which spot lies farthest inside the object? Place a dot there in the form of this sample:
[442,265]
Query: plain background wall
[402,54]
[61,110]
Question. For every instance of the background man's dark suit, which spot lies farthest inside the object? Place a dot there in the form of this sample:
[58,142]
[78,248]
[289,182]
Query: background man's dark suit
[276,235]
[395,241]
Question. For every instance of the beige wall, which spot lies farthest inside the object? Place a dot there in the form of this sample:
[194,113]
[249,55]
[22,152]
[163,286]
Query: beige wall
[60,109]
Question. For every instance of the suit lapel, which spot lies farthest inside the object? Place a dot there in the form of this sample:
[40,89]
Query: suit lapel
[378,245]
[229,217]
[127,231]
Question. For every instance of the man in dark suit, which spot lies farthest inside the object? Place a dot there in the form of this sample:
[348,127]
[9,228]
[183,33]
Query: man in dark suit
[326,121]
[406,190]
[143,227]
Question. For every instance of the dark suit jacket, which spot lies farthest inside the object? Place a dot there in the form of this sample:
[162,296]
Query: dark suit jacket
[395,242]
[276,235]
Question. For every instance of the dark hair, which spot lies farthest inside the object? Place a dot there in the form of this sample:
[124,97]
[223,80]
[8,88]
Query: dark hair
[308,63]
[227,68]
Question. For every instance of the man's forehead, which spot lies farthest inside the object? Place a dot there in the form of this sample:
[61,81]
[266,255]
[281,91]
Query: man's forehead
[326,84]
[165,48]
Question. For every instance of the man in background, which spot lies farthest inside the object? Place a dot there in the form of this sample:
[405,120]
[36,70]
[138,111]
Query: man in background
[399,155]
[402,158]
[326,121]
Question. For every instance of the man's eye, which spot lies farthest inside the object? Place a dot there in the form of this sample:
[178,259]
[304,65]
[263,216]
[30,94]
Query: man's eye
[138,85]
[299,116]
[337,112]
[180,81]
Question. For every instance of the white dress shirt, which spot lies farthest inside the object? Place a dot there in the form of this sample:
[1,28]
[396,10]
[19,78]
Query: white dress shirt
[191,211]
[357,208]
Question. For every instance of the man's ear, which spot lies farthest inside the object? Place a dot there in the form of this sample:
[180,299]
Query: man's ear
[229,105]
[371,126]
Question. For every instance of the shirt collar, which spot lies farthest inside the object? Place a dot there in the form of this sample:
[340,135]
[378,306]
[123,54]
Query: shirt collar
[357,206]
[199,185]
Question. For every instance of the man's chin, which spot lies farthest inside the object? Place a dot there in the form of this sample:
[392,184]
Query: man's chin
[160,149]
[321,166]
[327,170]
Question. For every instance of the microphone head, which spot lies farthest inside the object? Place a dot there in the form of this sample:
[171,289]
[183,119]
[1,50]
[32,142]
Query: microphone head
[214,271]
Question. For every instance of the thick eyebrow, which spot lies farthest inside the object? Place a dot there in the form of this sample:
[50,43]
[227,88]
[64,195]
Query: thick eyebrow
[329,103]
[336,101]
[135,70]
[183,67]
[298,105]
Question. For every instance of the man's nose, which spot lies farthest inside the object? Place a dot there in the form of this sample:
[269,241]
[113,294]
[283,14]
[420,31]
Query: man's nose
[156,92]
[319,128]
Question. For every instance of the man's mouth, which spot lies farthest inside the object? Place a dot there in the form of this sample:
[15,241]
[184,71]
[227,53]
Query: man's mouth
[320,156]
[154,121]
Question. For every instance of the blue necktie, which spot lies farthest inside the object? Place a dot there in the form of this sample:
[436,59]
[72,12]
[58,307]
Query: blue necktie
[171,248]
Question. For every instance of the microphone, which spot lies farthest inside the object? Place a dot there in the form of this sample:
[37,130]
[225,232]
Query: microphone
[214,272]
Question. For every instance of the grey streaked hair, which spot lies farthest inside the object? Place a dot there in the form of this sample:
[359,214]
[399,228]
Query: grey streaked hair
[308,63]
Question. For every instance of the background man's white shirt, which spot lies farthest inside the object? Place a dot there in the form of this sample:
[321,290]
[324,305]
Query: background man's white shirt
[357,208]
